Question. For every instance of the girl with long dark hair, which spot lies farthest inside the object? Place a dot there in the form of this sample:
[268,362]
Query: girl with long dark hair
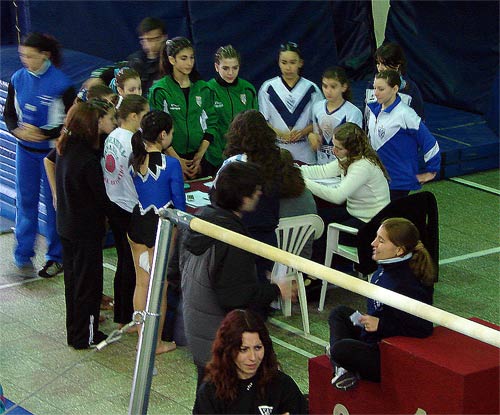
[158,180]
[81,209]
[186,97]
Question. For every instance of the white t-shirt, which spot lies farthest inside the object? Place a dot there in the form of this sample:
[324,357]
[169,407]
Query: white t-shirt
[117,179]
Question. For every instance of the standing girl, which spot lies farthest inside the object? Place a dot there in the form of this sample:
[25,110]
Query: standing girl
[397,133]
[38,97]
[391,57]
[189,101]
[332,112]
[121,190]
[286,102]
[158,180]
[232,95]
[81,209]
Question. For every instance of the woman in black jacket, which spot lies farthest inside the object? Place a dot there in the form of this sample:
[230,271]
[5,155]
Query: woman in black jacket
[81,208]
[243,376]
[405,267]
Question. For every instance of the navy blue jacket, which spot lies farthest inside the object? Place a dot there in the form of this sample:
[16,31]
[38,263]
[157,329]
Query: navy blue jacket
[398,277]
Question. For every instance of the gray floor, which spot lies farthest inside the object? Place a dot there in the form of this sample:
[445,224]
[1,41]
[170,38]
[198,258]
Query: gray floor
[39,371]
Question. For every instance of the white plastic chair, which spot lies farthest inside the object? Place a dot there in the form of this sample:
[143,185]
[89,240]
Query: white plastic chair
[333,247]
[292,234]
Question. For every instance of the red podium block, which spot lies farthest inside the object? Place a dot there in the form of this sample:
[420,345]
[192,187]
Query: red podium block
[447,373]
[325,399]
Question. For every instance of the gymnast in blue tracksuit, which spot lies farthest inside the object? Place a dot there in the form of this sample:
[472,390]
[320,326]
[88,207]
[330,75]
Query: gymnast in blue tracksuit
[39,96]
[397,133]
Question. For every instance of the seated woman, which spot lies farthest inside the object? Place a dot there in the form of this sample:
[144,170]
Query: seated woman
[405,267]
[363,183]
[243,376]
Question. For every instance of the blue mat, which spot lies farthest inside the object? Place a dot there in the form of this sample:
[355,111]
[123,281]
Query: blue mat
[17,411]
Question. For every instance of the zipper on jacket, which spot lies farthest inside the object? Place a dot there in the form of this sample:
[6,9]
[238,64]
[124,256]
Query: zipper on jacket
[231,101]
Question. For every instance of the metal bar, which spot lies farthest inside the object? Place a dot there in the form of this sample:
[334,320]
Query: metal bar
[391,298]
[141,386]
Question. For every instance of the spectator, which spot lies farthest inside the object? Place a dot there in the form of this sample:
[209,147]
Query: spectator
[397,133]
[243,375]
[81,208]
[232,95]
[186,97]
[152,35]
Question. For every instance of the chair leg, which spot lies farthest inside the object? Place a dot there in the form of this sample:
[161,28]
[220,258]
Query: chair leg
[324,285]
[303,302]
[286,304]
[322,296]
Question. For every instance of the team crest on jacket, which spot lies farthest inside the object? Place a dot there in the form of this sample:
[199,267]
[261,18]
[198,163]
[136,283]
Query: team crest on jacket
[243,99]
[265,409]
[198,100]
[381,132]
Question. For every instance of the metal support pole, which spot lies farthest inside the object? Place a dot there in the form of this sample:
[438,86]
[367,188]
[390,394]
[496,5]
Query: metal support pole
[139,398]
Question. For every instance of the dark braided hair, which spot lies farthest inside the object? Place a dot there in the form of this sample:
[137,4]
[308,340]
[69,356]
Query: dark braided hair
[152,125]
[226,52]
[171,48]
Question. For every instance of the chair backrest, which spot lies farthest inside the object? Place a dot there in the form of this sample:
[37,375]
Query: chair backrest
[420,208]
[293,232]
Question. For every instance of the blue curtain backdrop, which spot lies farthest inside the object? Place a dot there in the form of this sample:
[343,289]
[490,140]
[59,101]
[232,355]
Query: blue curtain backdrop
[452,49]
[108,29]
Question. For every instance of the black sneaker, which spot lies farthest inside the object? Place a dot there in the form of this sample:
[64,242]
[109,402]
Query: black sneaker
[98,338]
[344,380]
[50,269]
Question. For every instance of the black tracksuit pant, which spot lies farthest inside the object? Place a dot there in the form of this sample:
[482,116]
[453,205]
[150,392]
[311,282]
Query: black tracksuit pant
[83,282]
[124,282]
[346,348]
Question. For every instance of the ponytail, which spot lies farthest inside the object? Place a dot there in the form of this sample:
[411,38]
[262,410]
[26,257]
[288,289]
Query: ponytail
[152,125]
[404,234]
[44,43]
[422,265]
[139,152]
